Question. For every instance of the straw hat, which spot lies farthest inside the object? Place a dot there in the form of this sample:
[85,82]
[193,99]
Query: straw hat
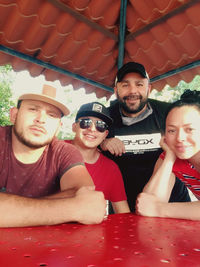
[50,95]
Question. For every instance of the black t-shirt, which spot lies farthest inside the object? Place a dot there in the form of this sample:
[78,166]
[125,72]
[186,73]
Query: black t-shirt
[141,141]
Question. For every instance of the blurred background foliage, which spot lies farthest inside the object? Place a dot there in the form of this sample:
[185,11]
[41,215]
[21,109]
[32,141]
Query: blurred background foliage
[171,94]
[6,80]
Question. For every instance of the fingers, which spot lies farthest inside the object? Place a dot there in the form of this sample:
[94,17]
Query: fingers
[162,141]
[91,206]
[114,145]
[119,147]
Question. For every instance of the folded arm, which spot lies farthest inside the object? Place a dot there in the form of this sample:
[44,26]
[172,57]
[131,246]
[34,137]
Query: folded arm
[73,180]
[78,202]
[162,180]
[87,207]
[149,205]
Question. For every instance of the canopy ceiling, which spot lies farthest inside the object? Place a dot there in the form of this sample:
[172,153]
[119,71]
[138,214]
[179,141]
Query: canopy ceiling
[83,42]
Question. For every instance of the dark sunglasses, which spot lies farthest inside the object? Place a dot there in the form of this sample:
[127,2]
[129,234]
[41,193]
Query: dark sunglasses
[101,126]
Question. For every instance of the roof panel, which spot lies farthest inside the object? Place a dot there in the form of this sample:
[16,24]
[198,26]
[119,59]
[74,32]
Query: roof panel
[78,41]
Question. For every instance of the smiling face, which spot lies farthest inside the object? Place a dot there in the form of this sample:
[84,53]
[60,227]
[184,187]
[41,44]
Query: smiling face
[35,123]
[90,137]
[183,131]
[132,93]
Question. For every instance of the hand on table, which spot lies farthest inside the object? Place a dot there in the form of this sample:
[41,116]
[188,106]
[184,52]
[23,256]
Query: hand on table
[91,205]
[148,205]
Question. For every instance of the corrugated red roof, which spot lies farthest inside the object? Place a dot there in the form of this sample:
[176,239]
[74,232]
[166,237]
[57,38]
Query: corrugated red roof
[81,38]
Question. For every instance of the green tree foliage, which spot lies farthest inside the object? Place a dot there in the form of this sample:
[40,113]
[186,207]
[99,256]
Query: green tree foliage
[5,94]
[171,94]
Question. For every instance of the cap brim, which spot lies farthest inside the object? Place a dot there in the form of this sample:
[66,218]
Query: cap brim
[131,67]
[46,99]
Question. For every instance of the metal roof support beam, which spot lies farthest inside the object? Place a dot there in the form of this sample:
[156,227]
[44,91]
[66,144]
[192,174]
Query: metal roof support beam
[176,71]
[122,31]
[67,9]
[173,13]
[28,58]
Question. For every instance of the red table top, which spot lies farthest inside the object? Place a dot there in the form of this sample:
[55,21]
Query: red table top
[125,240]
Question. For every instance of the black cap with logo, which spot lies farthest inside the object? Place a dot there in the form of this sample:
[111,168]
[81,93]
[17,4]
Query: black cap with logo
[95,109]
[128,68]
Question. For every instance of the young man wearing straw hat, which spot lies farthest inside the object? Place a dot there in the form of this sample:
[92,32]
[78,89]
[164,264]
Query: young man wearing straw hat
[43,181]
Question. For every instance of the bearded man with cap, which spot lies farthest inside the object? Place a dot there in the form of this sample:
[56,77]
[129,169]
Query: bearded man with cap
[91,127]
[43,181]
[138,123]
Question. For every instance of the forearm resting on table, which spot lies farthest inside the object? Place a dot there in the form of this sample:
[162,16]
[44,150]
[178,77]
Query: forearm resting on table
[87,207]
[149,205]
[181,210]
[63,194]
[20,211]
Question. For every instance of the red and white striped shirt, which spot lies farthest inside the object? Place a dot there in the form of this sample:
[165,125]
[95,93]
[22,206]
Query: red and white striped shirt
[186,172]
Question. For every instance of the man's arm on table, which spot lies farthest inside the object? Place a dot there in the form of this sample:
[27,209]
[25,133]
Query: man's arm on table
[87,206]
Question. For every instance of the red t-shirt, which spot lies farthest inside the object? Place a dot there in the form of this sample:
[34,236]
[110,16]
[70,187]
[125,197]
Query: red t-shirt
[187,174]
[38,179]
[107,178]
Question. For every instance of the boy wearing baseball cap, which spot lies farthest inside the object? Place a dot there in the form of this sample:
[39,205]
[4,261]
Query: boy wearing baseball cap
[91,127]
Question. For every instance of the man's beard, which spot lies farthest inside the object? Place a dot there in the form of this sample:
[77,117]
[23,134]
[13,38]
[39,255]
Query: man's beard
[132,110]
[31,144]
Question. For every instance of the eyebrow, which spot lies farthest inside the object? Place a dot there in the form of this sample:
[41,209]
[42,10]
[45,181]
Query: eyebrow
[138,80]
[172,125]
[48,109]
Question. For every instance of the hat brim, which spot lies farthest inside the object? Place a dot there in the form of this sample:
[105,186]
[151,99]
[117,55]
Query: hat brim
[101,116]
[119,79]
[46,99]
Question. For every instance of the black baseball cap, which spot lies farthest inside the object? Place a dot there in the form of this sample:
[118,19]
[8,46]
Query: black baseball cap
[131,67]
[95,109]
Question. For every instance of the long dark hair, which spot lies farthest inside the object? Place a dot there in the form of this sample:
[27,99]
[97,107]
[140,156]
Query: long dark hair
[188,98]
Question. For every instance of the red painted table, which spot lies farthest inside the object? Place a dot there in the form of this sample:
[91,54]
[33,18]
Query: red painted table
[124,240]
